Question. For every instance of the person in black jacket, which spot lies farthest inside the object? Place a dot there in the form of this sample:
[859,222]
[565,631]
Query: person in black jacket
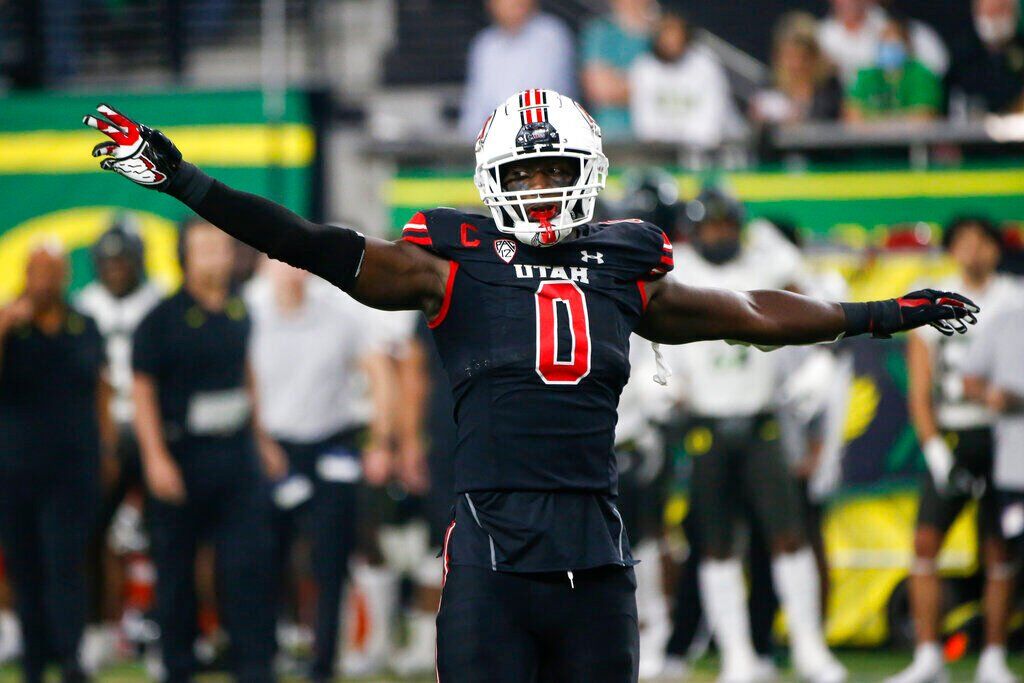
[52,416]
[197,425]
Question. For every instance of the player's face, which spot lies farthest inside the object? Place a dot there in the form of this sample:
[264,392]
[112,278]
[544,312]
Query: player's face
[671,39]
[209,255]
[796,59]
[715,232]
[544,173]
[718,240]
[539,174]
[118,274]
[45,276]
[849,8]
[282,274]
[511,14]
[975,252]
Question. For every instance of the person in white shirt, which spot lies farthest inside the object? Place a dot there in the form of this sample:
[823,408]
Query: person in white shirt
[679,92]
[956,438]
[524,49]
[118,299]
[731,395]
[851,34]
[315,353]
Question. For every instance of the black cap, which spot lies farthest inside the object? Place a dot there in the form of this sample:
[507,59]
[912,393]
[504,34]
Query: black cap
[120,240]
[714,204]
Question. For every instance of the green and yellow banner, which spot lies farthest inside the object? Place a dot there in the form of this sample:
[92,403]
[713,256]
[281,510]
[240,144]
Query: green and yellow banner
[853,205]
[52,187]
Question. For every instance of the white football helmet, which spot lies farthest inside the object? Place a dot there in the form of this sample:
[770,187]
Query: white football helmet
[529,125]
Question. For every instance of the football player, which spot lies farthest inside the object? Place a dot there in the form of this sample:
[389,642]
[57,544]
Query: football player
[117,300]
[956,438]
[739,469]
[531,308]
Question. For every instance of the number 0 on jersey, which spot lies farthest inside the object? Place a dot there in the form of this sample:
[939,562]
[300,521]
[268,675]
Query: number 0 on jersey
[561,303]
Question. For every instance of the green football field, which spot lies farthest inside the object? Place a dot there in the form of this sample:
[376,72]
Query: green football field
[866,667]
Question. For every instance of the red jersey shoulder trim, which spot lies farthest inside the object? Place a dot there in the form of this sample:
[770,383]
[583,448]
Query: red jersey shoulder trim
[416,231]
[453,267]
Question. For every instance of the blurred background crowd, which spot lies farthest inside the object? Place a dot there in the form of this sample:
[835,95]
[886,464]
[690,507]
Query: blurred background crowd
[848,149]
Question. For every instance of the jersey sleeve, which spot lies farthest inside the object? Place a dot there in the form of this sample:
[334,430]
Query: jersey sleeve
[417,231]
[657,254]
[444,232]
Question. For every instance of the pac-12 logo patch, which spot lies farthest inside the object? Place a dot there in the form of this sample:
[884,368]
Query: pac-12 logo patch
[505,249]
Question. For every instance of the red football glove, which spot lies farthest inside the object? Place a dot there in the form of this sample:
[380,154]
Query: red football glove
[139,153]
[948,312]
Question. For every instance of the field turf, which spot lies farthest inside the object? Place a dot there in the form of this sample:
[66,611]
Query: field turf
[864,666]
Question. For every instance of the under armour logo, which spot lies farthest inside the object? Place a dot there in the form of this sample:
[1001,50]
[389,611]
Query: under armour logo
[599,257]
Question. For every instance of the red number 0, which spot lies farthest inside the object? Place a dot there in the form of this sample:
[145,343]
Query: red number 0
[550,369]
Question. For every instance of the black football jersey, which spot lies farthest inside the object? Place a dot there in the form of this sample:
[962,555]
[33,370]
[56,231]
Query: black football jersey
[535,342]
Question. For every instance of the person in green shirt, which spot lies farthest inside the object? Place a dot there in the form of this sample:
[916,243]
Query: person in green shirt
[609,45]
[897,86]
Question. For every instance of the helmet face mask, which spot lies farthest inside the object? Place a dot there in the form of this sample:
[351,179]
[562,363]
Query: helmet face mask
[536,124]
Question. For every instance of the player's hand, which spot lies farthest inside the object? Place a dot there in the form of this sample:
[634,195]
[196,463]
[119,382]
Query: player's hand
[376,465]
[139,153]
[948,312]
[1000,400]
[16,314]
[275,461]
[163,478]
[939,459]
[412,467]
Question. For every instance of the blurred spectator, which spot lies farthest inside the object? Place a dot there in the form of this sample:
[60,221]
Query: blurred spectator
[850,37]
[994,377]
[897,86]
[117,300]
[61,39]
[610,45]
[989,61]
[312,409]
[52,422]
[523,49]
[956,439]
[680,93]
[804,87]
[197,423]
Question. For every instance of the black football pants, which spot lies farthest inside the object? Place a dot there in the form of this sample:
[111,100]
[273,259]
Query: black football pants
[228,504]
[502,627]
[328,520]
[45,522]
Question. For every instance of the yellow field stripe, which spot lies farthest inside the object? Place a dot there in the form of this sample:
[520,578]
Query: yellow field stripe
[231,145]
[769,186]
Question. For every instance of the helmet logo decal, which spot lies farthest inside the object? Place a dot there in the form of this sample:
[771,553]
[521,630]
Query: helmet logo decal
[505,249]
[537,136]
[533,106]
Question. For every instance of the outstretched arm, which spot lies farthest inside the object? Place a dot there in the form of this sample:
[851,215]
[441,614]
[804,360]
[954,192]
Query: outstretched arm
[677,314]
[376,272]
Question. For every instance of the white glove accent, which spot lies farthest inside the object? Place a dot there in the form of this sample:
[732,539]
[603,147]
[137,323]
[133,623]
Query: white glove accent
[939,459]
[664,371]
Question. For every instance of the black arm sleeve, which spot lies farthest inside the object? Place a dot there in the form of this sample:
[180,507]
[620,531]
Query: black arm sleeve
[333,253]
